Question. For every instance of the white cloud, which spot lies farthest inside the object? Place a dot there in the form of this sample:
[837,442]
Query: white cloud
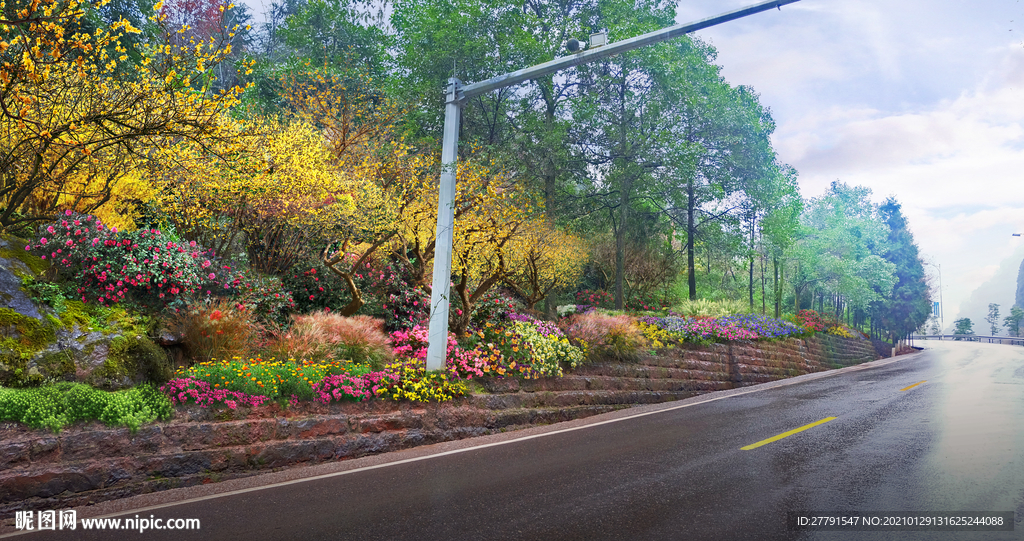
[919,99]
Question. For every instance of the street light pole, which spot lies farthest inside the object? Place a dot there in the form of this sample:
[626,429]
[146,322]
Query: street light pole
[457,94]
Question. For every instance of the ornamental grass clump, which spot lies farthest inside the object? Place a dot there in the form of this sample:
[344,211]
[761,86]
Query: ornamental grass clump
[58,405]
[323,336]
[216,330]
[604,336]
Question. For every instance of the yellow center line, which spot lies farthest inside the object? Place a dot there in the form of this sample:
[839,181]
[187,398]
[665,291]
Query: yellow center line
[912,386]
[786,434]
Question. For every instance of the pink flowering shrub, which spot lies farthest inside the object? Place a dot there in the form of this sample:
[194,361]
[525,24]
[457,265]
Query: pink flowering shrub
[110,266]
[347,387]
[601,335]
[315,287]
[813,321]
[195,391]
[322,335]
[460,363]
[263,296]
[493,307]
[598,297]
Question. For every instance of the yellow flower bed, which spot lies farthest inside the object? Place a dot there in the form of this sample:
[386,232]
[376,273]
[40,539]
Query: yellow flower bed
[840,331]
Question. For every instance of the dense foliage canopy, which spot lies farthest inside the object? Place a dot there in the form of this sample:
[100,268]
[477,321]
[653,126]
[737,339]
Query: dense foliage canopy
[312,142]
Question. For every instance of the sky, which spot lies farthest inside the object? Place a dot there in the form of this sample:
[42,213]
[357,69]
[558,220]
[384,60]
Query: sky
[922,100]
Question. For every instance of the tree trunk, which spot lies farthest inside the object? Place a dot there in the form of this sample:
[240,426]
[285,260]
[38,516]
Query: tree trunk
[776,286]
[764,285]
[356,303]
[750,278]
[620,246]
[691,231]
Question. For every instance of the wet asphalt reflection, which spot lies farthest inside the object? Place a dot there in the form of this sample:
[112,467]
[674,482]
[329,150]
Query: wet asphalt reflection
[954,442]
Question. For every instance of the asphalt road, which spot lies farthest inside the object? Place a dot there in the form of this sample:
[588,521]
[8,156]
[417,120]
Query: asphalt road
[952,443]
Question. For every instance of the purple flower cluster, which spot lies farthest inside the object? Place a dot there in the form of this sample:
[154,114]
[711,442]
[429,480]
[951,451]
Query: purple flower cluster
[185,390]
[764,326]
[700,329]
[737,327]
[545,328]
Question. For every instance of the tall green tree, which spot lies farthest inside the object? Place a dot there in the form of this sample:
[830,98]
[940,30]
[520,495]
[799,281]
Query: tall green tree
[908,305]
[779,229]
[337,32]
[719,150]
[1012,321]
[993,318]
[834,260]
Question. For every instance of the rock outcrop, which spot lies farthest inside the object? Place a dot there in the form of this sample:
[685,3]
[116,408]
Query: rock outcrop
[65,340]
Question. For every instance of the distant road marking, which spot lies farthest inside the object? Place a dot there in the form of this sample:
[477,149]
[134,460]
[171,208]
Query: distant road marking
[786,434]
[912,386]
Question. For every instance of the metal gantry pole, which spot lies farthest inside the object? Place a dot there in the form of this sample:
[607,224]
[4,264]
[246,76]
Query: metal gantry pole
[441,289]
[457,94]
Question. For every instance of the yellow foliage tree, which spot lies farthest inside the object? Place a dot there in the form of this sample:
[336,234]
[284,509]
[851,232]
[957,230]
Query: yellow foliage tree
[358,127]
[294,189]
[72,126]
[279,195]
[544,259]
[491,212]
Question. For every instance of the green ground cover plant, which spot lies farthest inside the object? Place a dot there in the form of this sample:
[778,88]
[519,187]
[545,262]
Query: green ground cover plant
[57,405]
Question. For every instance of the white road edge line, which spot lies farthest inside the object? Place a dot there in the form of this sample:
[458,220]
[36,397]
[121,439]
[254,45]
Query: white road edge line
[755,389]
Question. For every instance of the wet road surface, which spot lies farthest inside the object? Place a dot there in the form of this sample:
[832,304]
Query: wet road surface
[938,431]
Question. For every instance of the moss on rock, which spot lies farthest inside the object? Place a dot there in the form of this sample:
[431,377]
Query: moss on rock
[25,335]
